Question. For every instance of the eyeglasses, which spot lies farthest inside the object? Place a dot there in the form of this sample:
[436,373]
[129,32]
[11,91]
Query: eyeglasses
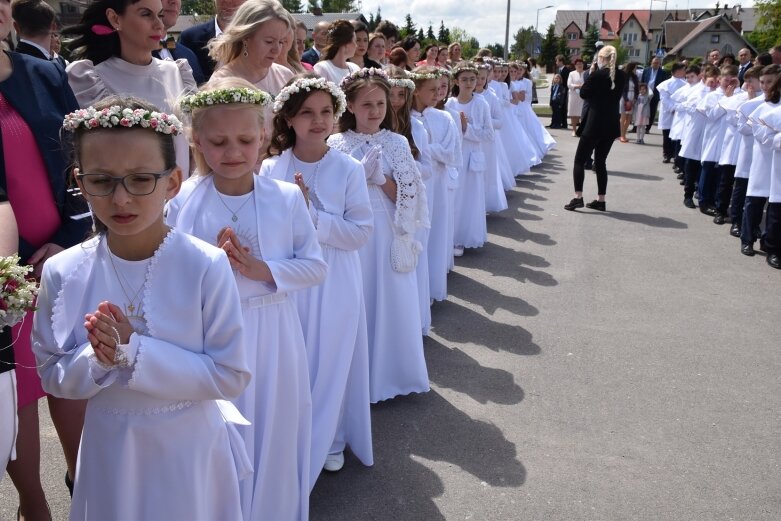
[103,185]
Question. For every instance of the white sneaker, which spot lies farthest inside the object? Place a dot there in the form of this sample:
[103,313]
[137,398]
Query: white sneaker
[458,251]
[334,462]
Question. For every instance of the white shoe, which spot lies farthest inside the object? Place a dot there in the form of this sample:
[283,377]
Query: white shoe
[458,251]
[334,462]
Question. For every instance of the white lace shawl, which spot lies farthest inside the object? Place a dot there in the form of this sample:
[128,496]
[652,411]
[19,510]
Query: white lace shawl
[411,205]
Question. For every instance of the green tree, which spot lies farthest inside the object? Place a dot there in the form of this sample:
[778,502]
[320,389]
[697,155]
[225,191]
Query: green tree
[430,36]
[469,44]
[409,28]
[590,43]
[523,42]
[312,5]
[338,6]
[549,47]
[622,53]
[497,50]
[444,33]
[200,8]
[294,6]
[767,32]
[420,36]
[562,48]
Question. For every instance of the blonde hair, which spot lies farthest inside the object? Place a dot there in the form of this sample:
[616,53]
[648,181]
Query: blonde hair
[293,59]
[248,19]
[194,120]
[608,56]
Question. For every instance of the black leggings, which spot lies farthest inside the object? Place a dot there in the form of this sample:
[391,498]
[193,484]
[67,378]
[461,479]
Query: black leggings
[601,148]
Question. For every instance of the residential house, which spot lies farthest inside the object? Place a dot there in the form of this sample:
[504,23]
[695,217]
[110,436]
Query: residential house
[715,32]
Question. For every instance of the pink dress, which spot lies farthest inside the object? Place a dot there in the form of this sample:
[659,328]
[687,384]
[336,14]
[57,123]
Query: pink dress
[31,198]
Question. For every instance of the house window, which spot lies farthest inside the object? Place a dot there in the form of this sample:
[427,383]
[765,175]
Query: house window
[631,24]
[714,38]
[572,36]
[717,26]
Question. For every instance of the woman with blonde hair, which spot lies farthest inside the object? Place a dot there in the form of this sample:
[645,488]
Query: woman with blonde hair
[290,57]
[454,54]
[250,45]
[601,126]
[339,47]
[376,51]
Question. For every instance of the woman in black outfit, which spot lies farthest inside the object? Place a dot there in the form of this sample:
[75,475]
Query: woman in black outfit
[602,90]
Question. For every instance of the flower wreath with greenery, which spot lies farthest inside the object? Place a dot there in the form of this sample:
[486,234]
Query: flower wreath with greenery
[116,116]
[404,83]
[307,85]
[366,72]
[208,98]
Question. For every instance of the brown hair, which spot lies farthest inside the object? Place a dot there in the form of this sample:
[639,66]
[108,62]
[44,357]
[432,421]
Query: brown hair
[752,72]
[283,136]
[774,94]
[402,119]
[398,57]
[347,121]
[34,17]
[340,33]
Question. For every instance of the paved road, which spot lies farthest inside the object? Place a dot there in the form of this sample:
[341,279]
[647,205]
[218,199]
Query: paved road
[587,366]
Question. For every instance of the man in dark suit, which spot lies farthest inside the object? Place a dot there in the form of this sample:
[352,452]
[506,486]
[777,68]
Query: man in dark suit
[169,49]
[653,76]
[196,37]
[744,63]
[319,34]
[34,21]
[563,71]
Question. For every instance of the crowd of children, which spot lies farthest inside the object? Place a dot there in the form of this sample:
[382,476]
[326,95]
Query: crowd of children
[237,310]
[724,141]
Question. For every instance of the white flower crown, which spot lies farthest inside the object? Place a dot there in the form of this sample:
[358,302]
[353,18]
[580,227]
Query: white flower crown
[422,76]
[116,116]
[463,67]
[307,85]
[207,98]
[404,83]
[366,72]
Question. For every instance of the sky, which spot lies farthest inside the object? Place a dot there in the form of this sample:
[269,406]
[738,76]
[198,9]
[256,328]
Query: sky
[485,19]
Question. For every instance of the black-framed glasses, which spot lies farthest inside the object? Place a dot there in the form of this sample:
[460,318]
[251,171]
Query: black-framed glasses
[103,185]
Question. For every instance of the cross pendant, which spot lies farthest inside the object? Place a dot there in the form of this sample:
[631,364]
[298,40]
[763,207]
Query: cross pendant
[131,308]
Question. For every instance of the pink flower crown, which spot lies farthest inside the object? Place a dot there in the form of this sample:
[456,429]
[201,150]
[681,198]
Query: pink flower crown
[116,116]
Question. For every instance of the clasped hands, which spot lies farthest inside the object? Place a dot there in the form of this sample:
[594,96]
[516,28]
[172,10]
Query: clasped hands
[372,166]
[107,327]
[240,257]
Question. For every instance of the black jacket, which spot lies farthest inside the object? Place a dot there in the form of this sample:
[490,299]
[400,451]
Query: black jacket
[195,38]
[602,117]
[38,90]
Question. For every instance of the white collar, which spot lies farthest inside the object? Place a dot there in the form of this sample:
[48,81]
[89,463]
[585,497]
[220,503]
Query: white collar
[217,30]
[45,52]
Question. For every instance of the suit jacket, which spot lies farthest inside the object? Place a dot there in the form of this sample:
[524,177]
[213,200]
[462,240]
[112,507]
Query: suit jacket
[195,38]
[39,91]
[556,95]
[310,56]
[602,118]
[181,52]
[742,71]
[661,75]
[30,50]
[564,72]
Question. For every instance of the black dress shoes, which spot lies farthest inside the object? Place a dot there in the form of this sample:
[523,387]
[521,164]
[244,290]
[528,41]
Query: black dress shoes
[666,160]
[735,230]
[577,202]
[774,261]
[597,205]
[747,250]
[688,202]
[708,210]
[679,176]
[718,219]
[676,169]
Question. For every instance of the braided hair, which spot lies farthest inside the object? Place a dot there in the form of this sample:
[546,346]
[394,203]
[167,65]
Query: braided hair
[608,55]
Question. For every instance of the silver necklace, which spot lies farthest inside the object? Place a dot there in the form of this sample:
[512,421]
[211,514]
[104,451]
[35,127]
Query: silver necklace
[131,306]
[234,216]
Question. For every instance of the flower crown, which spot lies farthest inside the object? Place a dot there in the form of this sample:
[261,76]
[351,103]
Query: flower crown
[307,85]
[116,116]
[463,67]
[404,83]
[207,98]
[363,73]
[423,76]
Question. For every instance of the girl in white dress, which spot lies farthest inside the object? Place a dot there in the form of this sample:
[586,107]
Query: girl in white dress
[400,98]
[264,226]
[478,133]
[498,170]
[522,154]
[339,47]
[113,47]
[144,322]
[459,123]
[396,362]
[522,90]
[333,314]
[445,152]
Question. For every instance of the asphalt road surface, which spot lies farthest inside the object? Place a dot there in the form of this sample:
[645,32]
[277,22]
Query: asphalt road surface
[586,366]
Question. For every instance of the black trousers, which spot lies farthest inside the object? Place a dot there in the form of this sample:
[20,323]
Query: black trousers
[691,177]
[773,229]
[752,218]
[601,148]
[679,161]
[724,191]
[668,151]
[738,200]
[558,115]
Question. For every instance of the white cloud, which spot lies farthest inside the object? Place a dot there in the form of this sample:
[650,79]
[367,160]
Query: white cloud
[485,20]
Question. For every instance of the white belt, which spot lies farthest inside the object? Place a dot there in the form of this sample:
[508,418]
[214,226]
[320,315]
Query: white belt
[264,300]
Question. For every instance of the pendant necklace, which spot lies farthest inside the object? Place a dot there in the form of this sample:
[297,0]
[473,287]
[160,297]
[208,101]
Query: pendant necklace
[130,307]
[234,216]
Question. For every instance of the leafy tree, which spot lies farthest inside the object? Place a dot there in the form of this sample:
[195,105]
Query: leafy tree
[497,50]
[622,54]
[203,8]
[339,6]
[371,24]
[549,47]
[294,6]
[523,42]
[767,32]
[444,33]
[562,48]
[469,44]
[409,28]
[590,43]
[313,4]
[421,36]
[430,34]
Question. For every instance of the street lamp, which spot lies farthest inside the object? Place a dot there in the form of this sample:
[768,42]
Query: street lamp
[537,25]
